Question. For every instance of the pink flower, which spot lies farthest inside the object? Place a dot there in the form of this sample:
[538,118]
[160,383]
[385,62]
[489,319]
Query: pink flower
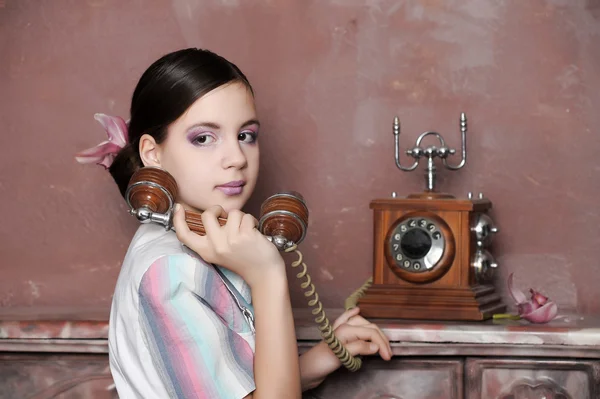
[105,152]
[538,309]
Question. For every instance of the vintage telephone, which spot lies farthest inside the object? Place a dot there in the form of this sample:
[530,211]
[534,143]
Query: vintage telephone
[431,256]
[151,195]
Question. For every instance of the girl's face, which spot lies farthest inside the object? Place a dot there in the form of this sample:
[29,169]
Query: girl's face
[212,150]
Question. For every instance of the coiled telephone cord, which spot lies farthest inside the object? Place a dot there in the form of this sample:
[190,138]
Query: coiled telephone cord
[350,362]
[352,300]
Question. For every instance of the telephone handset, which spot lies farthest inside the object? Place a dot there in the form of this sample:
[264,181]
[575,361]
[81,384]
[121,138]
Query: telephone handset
[151,195]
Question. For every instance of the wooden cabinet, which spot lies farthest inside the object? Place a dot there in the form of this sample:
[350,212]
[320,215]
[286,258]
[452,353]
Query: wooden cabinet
[532,379]
[476,360]
[45,376]
[489,378]
[67,359]
[82,376]
[396,379]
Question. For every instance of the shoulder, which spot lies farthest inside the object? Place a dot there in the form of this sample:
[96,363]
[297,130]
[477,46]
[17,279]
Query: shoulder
[152,241]
[178,269]
[184,284]
[156,250]
[181,277]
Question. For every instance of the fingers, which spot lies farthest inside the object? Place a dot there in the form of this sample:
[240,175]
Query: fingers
[345,317]
[234,221]
[181,227]
[183,232]
[357,320]
[349,334]
[359,348]
[361,321]
[383,336]
[217,211]
[210,222]
[249,222]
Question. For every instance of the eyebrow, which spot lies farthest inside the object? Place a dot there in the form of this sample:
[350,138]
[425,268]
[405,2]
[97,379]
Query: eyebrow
[216,126]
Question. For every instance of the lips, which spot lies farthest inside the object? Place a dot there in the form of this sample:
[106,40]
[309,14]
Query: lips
[237,183]
[232,188]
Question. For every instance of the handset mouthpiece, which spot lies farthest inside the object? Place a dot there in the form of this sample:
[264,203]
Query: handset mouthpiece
[280,242]
[145,215]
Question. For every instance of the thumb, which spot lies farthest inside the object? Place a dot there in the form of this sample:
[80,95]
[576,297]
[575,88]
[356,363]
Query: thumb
[180,226]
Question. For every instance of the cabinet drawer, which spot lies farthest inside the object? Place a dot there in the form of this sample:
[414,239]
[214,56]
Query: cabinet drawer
[39,376]
[532,379]
[400,378]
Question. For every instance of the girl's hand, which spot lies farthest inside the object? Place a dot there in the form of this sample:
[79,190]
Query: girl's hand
[360,336]
[237,245]
[357,334]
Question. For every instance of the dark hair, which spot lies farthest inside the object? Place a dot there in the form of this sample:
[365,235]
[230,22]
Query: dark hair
[164,92]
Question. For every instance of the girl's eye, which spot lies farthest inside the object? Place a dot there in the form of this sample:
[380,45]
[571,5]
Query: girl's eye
[247,137]
[203,139]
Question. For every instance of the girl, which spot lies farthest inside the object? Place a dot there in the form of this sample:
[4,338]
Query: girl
[181,327]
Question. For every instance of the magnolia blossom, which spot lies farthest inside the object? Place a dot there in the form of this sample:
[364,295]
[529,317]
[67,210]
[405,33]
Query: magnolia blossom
[105,152]
[537,309]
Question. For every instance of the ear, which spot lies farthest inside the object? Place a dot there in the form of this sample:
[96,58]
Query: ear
[149,151]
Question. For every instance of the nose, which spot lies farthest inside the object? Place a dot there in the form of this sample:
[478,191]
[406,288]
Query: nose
[234,156]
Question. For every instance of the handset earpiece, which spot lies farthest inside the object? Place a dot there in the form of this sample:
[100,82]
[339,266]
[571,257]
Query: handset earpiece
[152,192]
[150,195]
[284,219]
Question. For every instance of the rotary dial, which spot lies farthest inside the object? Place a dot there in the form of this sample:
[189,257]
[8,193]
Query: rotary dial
[417,244]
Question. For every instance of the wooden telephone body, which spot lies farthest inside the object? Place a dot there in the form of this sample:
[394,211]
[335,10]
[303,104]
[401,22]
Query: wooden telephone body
[431,256]
[455,287]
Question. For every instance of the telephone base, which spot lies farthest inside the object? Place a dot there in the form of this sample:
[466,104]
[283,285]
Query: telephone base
[477,303]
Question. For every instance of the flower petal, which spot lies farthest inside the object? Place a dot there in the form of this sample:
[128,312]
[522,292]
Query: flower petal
[102,154]
[527,307]
[115,127]
[517,294]
[537,297]
[543,314]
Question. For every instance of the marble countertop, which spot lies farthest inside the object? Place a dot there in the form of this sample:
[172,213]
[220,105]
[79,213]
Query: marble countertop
[53,323]
[566,329]
[92,324]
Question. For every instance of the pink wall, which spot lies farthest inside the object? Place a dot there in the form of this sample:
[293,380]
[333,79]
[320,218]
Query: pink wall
[329,76]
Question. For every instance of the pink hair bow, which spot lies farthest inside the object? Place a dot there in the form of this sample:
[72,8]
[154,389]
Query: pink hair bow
[105,152]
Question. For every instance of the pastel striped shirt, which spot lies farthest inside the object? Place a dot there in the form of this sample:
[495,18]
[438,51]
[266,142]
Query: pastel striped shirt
[175,330]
